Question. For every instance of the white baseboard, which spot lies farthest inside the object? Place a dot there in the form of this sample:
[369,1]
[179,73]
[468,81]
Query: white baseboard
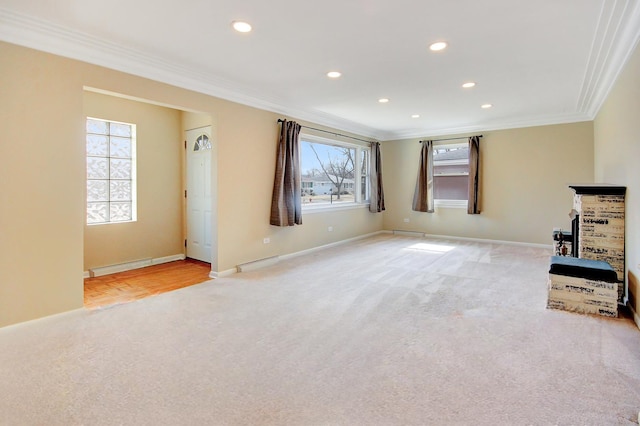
[337,243]
[136,264]
[261,263]
[408,233]
[167,259]
[249,266]
[479,240]
[226,273]
[484,240]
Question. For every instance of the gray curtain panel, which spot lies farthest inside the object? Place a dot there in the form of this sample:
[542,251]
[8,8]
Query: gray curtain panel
[473,207]
[286,202]
[423,195]
[377,192]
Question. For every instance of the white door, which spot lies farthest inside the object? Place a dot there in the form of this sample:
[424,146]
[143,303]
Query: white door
[199,194]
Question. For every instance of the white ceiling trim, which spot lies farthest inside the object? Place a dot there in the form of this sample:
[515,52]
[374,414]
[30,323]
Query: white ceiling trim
[45,36]
[499,125]
[617,35]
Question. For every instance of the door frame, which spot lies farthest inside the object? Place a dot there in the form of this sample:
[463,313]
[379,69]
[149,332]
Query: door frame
[214,193]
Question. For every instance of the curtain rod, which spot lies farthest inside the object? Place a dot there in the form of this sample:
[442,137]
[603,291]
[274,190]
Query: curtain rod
[280,120]
[451,139]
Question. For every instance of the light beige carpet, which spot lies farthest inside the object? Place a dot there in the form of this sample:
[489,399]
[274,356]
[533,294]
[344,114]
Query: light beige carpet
[389,330]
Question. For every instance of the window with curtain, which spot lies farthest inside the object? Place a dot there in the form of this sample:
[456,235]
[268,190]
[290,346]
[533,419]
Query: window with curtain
[451,175]
[334,174]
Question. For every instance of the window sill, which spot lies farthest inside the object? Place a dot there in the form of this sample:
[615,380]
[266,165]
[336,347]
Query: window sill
[323,208]
[451,204]
[111,223]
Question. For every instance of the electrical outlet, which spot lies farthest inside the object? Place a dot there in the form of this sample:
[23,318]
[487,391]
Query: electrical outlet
[266,240]
[330,229]
[406,220]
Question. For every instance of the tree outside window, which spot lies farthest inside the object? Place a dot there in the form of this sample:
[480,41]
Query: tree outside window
[333,172]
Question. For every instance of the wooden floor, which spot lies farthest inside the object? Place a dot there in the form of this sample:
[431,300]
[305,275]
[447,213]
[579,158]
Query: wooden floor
[137,284]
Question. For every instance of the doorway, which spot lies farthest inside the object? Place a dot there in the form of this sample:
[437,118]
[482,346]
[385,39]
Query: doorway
[159,236]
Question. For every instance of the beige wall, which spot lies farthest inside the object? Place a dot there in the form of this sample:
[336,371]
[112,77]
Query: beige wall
[42,180]
[158,230]
[524,177]
[617,158]
[194,120]
[525,173]
[42,184]
[247,150]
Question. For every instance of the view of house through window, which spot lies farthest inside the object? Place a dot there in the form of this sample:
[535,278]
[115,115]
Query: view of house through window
[111,172]
[451,173]
[333,172]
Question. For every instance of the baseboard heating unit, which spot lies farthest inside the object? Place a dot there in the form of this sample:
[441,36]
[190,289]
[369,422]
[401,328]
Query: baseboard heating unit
[257,264]
[408,233]
[112,269]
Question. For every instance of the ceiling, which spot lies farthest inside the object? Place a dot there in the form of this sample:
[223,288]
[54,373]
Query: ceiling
[537,62]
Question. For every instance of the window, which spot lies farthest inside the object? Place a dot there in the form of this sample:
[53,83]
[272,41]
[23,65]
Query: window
[451,175]
[334,173]
[111,172]
[202,143]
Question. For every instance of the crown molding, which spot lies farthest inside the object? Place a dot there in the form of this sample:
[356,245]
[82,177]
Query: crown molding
[617,35]
[486,127]
[618,32]
[45,36]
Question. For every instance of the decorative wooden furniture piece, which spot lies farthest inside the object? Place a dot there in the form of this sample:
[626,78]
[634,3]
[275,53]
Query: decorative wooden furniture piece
[583,285]
[591,280]
[599,210]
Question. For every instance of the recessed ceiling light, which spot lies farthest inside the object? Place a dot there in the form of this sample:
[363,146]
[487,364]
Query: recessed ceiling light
[439,45]
[334,74]
[241,26]
[383,100]
[415,116]
[486,106]
[468,84]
